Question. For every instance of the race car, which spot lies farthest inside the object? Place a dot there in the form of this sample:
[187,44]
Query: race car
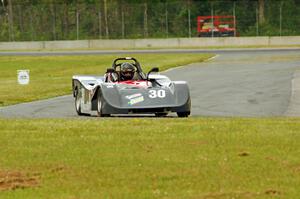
[150,93]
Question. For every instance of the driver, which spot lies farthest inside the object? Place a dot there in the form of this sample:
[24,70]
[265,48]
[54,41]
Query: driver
[127,71]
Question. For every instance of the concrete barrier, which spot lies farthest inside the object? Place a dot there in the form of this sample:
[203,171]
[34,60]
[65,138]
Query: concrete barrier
[154,43]
[35,45]
[292,40]
[66,44]
[157,43]
[112,44]
[224,41]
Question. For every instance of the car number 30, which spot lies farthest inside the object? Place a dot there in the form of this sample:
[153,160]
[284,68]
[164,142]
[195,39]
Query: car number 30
[157,94]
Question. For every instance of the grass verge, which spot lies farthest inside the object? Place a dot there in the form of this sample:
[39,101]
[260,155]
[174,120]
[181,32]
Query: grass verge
[141,158]
[51,75]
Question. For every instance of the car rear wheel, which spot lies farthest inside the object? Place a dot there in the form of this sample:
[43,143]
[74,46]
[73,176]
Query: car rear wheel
[183,114]
[100,105]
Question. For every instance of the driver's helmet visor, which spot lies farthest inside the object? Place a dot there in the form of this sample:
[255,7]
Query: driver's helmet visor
[128,72]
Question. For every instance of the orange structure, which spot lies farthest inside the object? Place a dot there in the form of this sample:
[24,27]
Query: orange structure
[216,26]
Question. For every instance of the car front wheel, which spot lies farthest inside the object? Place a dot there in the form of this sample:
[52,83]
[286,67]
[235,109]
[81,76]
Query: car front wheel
[78,104]
[100,105]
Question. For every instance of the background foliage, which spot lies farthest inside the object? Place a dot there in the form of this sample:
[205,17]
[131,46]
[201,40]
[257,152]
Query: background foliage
[34,20]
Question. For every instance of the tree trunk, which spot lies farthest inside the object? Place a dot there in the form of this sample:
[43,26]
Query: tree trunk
[32,28]
[123,22]
[77,12]
[261,11]
[189,17]
[53,14]
[10,21]
[65,21]
[145,20]
[105,18]
[100,22]
[20,10]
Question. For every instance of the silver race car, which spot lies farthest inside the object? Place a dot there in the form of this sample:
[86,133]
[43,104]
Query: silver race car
[143,94]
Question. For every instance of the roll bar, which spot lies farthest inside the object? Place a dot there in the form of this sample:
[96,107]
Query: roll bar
[136,63]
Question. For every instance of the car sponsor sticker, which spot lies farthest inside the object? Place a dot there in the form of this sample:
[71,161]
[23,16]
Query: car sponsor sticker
[136,100]
[133,96]
[109,86]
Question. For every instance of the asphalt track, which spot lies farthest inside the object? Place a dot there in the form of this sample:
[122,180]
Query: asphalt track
[237,83]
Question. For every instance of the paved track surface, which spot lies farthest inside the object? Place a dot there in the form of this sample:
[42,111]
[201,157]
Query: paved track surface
[242,83]
[247,83]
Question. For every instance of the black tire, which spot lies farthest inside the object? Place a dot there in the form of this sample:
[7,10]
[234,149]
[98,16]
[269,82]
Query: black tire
[77,104]
[100,105]
[161,114]
[183,114]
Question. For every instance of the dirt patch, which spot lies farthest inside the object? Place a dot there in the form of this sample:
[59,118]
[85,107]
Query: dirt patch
[230,195]
[11,180]
[295,168]
[237,194]
[272,192]
[59,169]
[243,154]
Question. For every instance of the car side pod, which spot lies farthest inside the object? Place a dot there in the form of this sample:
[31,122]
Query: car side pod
[153,70]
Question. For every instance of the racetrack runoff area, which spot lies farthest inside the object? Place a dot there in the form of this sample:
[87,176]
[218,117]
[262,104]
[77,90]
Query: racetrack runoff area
[244,83]
[241,156]
[147,158]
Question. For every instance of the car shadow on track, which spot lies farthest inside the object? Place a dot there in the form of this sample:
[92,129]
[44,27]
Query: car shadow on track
[94,115]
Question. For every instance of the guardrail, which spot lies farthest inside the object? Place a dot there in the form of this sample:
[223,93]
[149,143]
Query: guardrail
[154,43]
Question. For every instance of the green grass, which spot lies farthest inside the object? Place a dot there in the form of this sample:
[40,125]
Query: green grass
[51,75]
[156,158]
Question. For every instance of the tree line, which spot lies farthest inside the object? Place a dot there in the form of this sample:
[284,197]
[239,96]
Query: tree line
[35,20]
